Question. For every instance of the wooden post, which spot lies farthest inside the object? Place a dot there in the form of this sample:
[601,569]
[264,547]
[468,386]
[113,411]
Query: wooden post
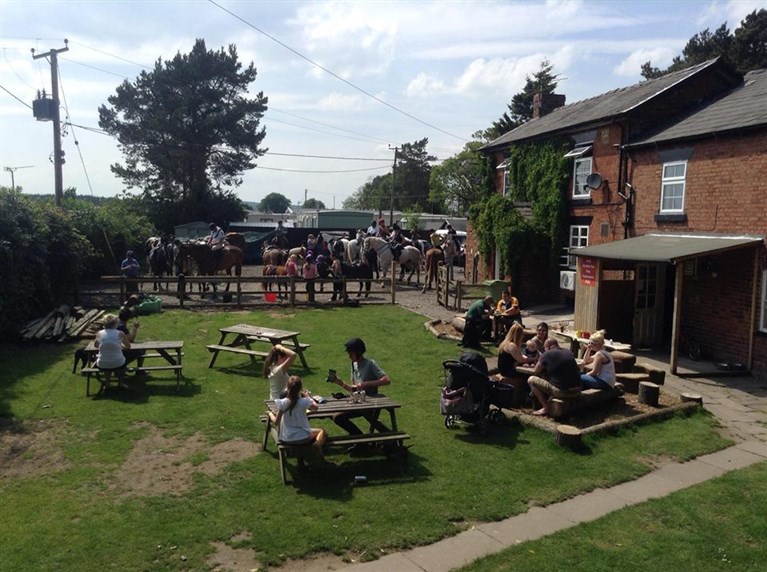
[239,293]
[568,436]
[648,393]
[677,319]
[292,290]
[393,280]
[181,290]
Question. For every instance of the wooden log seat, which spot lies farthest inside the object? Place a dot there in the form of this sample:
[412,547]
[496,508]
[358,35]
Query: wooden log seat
[624,362]
[631,381]
[649,393]
[657,375]
[586,399]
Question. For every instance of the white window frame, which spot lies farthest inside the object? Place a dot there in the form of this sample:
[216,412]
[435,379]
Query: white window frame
[579,238]
[580,191]
[763,315]
[672,181]
[506,181]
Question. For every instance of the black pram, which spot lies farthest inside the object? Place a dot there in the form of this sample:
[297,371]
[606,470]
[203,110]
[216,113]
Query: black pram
[469,392]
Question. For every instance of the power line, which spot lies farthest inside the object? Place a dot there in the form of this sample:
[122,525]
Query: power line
[367,140]
[327,125]
[74,136]
[335,75]
[94,68]
[324,172]
[17,98]
[327,157]
[112,55]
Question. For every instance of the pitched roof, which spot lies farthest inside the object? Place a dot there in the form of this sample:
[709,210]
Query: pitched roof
[599,108]
[742,108]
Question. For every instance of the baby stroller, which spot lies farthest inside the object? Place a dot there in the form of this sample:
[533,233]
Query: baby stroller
[469,392]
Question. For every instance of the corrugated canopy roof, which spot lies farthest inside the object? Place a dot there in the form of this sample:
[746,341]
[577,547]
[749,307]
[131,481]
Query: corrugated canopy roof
[666,247]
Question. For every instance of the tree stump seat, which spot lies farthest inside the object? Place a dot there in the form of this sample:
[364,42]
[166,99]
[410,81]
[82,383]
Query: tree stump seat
[631,381]
[586,399]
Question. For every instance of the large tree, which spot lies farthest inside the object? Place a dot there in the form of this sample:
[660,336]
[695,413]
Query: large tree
[745,50]
[411,183]
[274,203]
[188,129]
[314,204]
[520,109]
[461,180]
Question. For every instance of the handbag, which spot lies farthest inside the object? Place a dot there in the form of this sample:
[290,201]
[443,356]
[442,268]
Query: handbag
[456,402]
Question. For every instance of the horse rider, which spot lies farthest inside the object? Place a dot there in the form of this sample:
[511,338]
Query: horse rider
[281,236]
[396,240]
[372,229]
[217,241]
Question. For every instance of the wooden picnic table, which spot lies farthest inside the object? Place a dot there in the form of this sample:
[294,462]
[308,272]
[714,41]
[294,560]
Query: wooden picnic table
[245,335]
[372,405]
[578,344]
[170,351]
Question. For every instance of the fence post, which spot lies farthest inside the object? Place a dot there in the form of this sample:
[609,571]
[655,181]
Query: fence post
[292,290]
[458,295]
[393,280]
[181,290]
[239,294]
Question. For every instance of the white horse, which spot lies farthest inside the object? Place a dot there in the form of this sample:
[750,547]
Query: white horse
[409,258]
[353,250]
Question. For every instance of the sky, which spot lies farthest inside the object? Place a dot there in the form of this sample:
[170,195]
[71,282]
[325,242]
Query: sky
[401,71]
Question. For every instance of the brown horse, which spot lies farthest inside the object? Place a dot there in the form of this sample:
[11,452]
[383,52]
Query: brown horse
[270,270]
[209,263]
[236,239]
[273,256]
[433,258]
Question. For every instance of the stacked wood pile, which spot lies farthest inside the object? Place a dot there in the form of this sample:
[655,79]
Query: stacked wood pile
[63,323]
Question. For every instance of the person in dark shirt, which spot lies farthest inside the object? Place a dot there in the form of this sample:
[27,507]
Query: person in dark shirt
[556,374]
[477,324]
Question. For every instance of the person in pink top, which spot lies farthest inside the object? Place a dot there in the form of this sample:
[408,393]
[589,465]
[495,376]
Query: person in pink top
[310,274]
[291,266]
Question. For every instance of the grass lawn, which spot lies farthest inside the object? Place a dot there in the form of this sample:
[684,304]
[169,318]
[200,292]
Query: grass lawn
[717,525]
[136,482]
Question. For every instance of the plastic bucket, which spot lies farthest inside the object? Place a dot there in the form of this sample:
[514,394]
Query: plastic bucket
[270,296]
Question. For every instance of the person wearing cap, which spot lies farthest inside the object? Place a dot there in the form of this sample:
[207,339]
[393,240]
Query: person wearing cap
[372,229]
[366,375]
[130,269]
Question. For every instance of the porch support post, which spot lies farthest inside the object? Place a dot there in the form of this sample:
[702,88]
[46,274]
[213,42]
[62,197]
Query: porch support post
[754,305]
[675,328]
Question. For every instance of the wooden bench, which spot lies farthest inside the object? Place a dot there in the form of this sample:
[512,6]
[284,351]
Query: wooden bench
[303,450]
[561,406]
[252,354]
[89,371]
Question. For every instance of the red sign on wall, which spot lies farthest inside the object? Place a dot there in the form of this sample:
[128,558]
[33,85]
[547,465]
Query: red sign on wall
[588,271]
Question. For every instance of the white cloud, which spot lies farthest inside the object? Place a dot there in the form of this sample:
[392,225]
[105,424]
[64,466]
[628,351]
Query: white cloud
[340,102]
[630,66]
[425,85]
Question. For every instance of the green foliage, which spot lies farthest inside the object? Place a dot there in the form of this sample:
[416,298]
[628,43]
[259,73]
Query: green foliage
[314,204]
[461,180]
[411,183]
[538,177]
[745,50]
[274,203]
[188,130]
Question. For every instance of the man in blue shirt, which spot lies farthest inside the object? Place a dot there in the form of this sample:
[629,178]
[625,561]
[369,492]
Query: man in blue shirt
[130,269]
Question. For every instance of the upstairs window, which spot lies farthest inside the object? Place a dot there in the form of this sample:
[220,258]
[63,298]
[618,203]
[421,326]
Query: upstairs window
[506,171]
[672,187]
[581,171]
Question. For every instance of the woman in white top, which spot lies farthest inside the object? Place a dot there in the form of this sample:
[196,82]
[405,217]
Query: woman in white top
[293,423]
[276,367]
[602,372]
[111,342]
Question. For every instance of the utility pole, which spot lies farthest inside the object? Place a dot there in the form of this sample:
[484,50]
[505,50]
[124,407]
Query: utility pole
[12,170]
[393,177]
[58,157]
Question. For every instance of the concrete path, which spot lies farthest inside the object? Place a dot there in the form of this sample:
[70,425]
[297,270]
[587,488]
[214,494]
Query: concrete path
[739,403]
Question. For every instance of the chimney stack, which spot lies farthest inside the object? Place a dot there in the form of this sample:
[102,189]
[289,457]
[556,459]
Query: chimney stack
[545,103]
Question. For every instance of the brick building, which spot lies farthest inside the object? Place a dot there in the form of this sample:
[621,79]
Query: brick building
[667,211]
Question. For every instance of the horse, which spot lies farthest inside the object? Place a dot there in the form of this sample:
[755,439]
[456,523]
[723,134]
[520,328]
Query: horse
[159,264]
[362,270]
[275,271]
[236,239]
[409,258]
[209,263]
[433,257]
[272,256]
[299,251]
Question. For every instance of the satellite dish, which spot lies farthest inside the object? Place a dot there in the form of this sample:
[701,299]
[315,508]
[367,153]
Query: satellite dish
[594,181]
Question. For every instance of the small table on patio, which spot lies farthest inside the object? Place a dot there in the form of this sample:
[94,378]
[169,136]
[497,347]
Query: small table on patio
[245,335]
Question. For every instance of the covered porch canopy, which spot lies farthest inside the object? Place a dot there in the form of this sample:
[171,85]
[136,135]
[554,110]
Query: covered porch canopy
[673,249]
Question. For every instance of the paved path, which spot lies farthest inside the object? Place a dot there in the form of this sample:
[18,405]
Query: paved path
[740,404]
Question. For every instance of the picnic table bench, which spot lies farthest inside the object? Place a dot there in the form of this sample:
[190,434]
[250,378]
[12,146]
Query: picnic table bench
[245,335]
[392,439]
[170,351]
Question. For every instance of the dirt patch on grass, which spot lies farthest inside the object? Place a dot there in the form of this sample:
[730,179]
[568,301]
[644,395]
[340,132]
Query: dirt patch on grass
[31,448]
[160,465]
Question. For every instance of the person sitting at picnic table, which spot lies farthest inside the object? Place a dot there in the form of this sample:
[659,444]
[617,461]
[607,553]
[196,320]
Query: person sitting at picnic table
[293,423]
[602,372]
[510,353]
[556,374]
[531,351]
[477,326]
[506,313]
[276,365]
[366,375]
[541,335]
[110,358]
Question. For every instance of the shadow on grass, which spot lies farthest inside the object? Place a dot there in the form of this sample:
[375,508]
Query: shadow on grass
[142,388]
